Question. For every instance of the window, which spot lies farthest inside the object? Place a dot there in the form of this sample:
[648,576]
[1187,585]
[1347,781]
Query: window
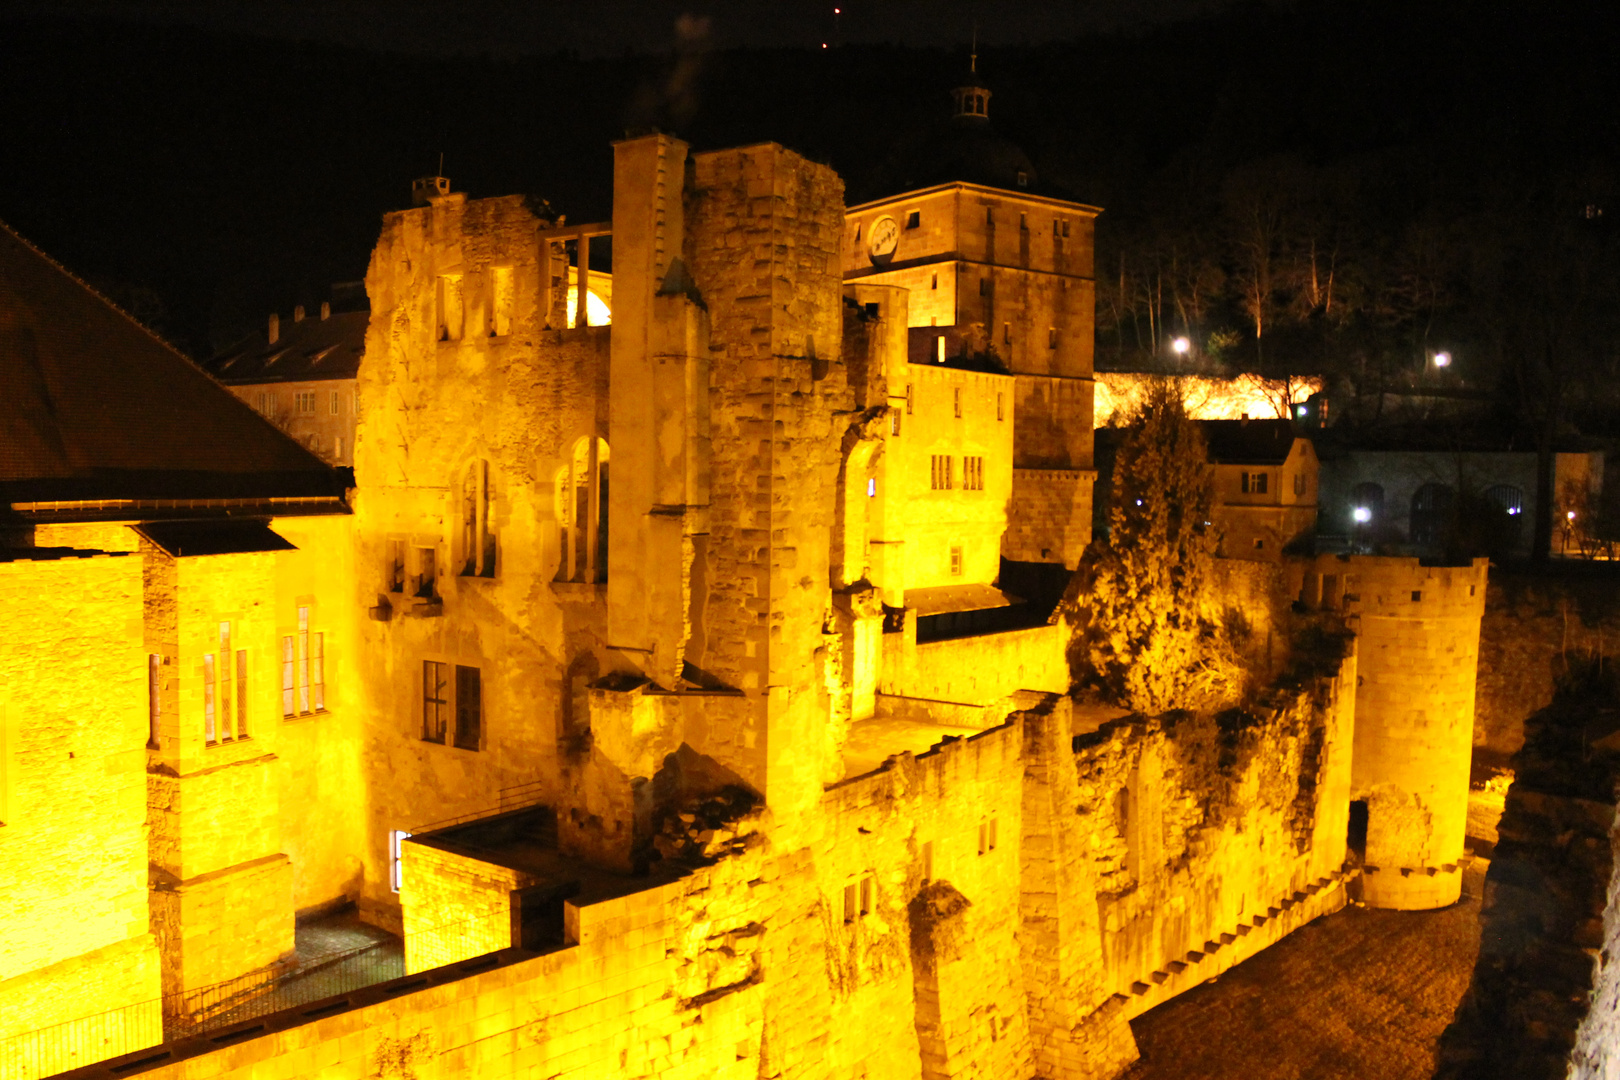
[226,690]
[1065,233]
[1051,337]
[956,395]
[1023,219]
[910,399]
[154,700]
[987,836]
[262,402]
[477,539]
[928,861]
[956,562]
[990,216]
[304,402]
[427,573]
[335,406]
[984,285]
[1431,513]
[941,477]
[857,232]
[435,700]
[1300,484]
[850,910]
[208,700]
[1254,483]
[337,447]
[939,348]
[396,853]
[1001,408]
[1417,596]
[973,474]
[894,422]
[501,301]
[1023,178]
[396,566]
[303,670]
[241,694]
[866,895]
[450,313]
[469,707]
[935,284]
[581,507]
[1006,333]
[914,220]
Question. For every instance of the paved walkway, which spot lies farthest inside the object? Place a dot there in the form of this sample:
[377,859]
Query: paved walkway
[1358,995]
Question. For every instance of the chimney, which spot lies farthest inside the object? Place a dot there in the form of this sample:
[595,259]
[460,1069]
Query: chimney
[275,328]
[326,310]
[298,313]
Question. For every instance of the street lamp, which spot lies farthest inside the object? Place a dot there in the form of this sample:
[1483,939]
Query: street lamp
[1362,515]
[1180,346]
[1442,359]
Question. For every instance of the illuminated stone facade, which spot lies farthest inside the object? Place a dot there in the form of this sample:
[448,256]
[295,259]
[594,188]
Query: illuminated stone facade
[665,692]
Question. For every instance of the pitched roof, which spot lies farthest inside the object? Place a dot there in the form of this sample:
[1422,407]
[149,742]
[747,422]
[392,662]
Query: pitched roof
[307,350]
[94,406]
[1248,442]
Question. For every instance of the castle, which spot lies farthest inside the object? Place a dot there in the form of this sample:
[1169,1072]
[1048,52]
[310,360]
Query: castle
[660,681]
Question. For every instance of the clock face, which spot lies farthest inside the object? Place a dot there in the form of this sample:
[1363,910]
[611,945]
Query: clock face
[884,238]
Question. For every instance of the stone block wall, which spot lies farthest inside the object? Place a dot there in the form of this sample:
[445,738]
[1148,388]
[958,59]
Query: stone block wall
[76,940]
[1049,516]
[975,670]
[456,906]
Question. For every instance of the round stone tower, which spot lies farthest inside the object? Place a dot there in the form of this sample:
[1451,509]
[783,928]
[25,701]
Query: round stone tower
[1417,633]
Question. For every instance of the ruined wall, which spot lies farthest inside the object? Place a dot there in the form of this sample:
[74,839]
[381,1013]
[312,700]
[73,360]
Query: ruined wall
[76,940]
[1534,626]
[527,403]
[1542,1001]
[975,670]
[1208,831]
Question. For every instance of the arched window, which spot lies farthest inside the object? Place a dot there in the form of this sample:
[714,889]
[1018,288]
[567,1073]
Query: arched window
[1367,505]
[1505,499]
[1431,514]
[582,512]
[475,546]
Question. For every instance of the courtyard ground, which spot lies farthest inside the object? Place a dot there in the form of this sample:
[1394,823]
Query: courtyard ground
[1357,994]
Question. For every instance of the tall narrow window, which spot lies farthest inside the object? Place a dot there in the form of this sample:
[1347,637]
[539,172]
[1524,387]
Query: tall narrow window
[396,566]
[227,693]
[1006,333]
[469,707]
[850,911]
[1023,219]
[426,573]
[303,660]
[928,861]
[866,895]
[289,679]
[1051,337]
[911,399]
[334,403]
[582,513]
[914,219]
[1001,408]
[208,700]
[154,700]
[396,858]
[935,282]
[957,400]
[502,297]
[956,562]
[241,694]
[894,422]
[435,700]
[317,671]
[450,307]
[477,539]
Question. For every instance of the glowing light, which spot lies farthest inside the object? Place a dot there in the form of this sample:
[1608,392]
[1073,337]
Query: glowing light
[1300,410]
[1570,515]
[1442,359]
[1180,346]
[1513,511]
[1138,502]
[1362,515]
[871,487]
[597,312]
[823,44]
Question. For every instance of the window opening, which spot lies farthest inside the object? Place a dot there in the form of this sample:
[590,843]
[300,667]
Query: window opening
[1001,409]
[914,219]
[501,301]
[435,701]
[154,700]
[289,678]
[450,307]
[956,562]
[477,538]
[866,895]
[208,699]
[956,394]
[426,573]
[1051,337]
[396,858]
[849,903]
[940,479]
[928,861]
[241,694]
[469,707]
[334,403]
[973,473]
[582,513]
[935,284]
[396,566]
[910,400]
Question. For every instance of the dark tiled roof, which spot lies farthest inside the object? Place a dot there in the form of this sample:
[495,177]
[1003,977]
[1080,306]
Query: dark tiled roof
[93,406]
[1248,442]
[312,349]
[213,537]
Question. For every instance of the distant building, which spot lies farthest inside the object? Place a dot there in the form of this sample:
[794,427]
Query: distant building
[300,375]
[1265,486]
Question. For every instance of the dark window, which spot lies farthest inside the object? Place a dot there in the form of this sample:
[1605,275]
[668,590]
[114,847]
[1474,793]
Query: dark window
[426,561]
[1431,513]
[435,700]
[469,707]
[914,219]
[396,566]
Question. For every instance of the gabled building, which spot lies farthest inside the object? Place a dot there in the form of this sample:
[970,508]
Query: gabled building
[1266,486]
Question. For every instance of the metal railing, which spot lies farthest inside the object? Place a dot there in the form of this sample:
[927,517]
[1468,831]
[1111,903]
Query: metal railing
[71,1044]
